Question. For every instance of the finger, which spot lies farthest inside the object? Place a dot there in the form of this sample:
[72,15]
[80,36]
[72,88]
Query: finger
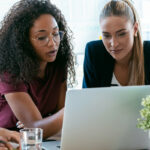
[9,146]
[3,139]
[2,145]
[3,148]
[18,148]
[18,123]
[15,137]
[20,126]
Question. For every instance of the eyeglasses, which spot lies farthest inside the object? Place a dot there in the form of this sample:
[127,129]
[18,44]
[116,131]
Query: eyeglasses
[44,39]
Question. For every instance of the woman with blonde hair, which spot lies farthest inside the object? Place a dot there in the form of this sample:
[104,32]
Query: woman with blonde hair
[121,57]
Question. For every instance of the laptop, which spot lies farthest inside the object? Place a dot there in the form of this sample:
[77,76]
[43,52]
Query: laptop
[104,119]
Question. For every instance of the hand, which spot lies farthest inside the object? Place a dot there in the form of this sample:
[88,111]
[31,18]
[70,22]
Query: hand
[4,145]
[7,136]
[19,125]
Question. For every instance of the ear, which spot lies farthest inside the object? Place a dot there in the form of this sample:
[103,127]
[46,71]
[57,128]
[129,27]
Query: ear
[135,28]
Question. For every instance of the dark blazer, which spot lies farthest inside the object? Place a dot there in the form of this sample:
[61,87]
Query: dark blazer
[99,65]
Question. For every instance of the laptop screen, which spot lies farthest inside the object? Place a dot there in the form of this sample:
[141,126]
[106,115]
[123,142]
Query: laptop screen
[104,118]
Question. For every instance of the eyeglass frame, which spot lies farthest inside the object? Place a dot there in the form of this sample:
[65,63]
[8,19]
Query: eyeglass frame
[60,34]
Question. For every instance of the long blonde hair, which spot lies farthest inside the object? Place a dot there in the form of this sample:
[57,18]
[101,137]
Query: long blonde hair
[125,8]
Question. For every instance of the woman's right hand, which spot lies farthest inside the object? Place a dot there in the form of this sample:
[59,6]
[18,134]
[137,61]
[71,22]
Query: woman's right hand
[27,112]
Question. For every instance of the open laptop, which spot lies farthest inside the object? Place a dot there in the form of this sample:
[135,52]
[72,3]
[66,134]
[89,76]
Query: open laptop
[104,119]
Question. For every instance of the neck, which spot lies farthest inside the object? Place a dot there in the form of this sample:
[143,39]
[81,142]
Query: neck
[121,70]
[41,73]
[125,62]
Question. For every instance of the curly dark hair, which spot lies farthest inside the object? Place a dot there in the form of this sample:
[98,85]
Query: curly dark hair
[17,56]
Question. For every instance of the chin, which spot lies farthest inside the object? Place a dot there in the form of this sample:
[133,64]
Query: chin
[51,60]
[117,57]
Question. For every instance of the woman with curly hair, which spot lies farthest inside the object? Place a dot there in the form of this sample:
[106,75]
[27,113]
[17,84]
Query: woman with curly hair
[36,59]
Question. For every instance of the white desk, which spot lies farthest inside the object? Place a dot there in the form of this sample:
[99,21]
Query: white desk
[51,145]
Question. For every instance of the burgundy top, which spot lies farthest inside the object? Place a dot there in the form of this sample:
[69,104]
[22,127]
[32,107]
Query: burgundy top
[44,93]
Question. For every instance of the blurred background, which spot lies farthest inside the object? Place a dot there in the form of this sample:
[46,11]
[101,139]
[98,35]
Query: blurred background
[83,19]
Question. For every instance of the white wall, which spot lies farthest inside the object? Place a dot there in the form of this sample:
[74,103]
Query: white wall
[83,19]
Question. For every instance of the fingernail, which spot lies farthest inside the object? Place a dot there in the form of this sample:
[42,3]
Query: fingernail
[20,126]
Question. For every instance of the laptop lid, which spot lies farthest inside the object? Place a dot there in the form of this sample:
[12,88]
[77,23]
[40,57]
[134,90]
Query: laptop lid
[104,119]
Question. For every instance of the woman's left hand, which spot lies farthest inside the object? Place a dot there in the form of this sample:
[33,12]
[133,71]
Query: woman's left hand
[7,136]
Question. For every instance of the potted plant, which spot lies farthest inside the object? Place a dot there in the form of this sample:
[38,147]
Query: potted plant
[144,121]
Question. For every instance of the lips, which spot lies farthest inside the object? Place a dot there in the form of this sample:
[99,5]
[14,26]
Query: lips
[51,53]
[116,51]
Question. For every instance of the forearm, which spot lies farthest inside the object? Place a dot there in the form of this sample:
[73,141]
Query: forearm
[1,131]
[50,125]
[29,115]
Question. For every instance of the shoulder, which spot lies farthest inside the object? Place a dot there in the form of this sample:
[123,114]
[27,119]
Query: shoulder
[146,46]
[95,49]
[98,44]
[9,84]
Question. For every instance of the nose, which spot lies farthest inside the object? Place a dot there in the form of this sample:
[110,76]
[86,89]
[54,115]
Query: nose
[51,41]
[114,42]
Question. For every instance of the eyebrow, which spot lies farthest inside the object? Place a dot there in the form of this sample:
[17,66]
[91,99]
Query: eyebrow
[121,30]
[117,31]
[45,30]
